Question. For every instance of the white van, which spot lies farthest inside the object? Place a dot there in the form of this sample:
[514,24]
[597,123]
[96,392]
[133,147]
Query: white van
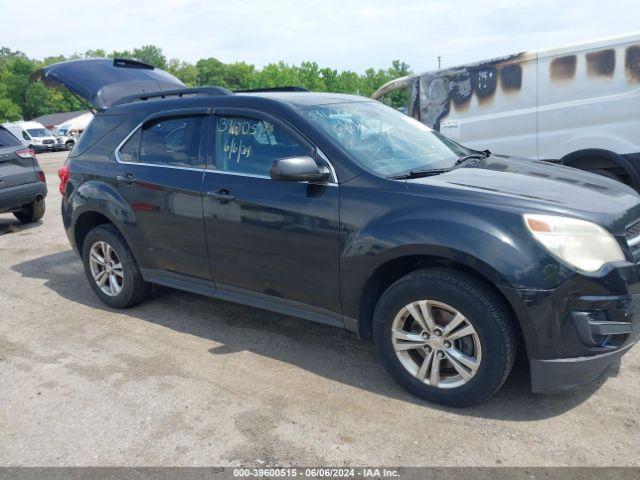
[33,135]
[579,105]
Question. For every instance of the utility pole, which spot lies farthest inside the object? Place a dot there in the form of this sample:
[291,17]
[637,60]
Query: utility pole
[439,62]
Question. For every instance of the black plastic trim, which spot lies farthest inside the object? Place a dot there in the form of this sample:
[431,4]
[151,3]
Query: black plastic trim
[558,375]
[245,297]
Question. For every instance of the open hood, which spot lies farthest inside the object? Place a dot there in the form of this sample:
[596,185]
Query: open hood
[103,81]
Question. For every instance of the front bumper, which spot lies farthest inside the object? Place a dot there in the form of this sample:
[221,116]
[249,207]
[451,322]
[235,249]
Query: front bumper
[48,147]
[579,331]
[558,375]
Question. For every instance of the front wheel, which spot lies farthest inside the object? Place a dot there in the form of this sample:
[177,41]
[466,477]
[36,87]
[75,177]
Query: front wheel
[445,337]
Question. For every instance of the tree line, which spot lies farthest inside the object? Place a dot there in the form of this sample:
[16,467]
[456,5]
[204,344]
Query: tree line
[21,98]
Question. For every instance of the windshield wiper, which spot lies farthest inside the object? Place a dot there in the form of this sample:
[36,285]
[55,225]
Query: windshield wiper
[421,173]
[469,156]
[437,171]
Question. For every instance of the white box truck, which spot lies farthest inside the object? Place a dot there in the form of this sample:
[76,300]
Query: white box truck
[578,104]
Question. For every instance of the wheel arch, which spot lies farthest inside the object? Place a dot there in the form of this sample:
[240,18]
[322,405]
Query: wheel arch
[95,203]
[393,269]
[87,221]
[597,158]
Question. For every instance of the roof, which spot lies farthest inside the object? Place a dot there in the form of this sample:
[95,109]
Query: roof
[302,99]
[58,118]
[196,98]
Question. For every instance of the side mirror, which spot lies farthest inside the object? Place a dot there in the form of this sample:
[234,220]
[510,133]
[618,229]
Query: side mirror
[298,169]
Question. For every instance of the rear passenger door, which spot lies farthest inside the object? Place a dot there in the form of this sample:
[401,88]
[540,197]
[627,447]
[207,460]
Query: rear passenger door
[159,173]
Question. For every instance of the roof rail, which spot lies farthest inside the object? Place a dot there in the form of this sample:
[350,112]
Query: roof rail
[180,92]
[274,89]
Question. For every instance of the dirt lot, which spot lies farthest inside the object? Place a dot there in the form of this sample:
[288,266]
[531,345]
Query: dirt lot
[187,380]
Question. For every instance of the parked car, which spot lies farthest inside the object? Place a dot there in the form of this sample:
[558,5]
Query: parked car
[341,210]
[67,133]
[32,135]
[65,138]
[23,187]
[577,105]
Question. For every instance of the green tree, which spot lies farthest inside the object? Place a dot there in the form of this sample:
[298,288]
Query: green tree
[186,72]
[238,75]
[9,111]
[150,54]
[21,97]
[210,71]
[97,53]
[309,76]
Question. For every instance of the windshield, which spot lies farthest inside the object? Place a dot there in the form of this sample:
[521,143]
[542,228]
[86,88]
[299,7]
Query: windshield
[383,140]
[62,131]
[38,132]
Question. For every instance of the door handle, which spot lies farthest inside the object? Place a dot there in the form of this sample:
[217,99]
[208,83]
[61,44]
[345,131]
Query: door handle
[129,178]
[223,196]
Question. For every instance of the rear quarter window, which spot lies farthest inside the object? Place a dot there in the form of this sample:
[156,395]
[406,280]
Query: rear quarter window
[100,126]
[7,139]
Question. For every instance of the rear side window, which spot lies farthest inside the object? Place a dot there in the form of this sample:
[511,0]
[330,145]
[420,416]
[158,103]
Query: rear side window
[130,151]
[100,126]
[6,139]
[167,141]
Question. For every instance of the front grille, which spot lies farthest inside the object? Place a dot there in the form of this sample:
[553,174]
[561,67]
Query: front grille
[47,142]
[632,235]
[633,231]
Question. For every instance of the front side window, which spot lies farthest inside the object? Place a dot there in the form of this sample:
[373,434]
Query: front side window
[383,140]
[249,146]
[167,141]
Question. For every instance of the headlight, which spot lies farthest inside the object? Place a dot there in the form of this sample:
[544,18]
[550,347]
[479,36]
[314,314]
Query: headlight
[578,243]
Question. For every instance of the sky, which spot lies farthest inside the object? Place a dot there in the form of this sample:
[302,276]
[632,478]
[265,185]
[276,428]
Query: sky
[342,34]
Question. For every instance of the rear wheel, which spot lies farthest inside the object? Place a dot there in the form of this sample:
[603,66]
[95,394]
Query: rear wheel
[111,268]
[444,337]
[32,212]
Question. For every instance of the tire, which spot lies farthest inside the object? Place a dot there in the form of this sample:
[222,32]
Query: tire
[130,288]
[491,349]
[33,212]
[68,146]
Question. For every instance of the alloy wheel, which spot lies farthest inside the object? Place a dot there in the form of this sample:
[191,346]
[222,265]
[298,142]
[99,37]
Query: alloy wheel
[106,268]
[436,344]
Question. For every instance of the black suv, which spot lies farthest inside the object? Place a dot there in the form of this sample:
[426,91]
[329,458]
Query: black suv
[338,209]
[23,186]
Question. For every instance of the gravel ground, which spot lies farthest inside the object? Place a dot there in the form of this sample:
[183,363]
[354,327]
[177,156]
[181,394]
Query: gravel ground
[187,380]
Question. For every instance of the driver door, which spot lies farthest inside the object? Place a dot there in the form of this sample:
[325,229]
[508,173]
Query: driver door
[274,240]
